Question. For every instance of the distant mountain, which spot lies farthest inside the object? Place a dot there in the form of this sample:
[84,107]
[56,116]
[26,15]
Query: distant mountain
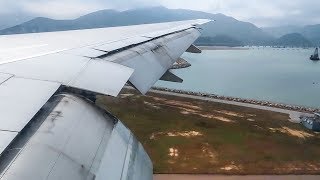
[311,32]
[245,32]
[293,40]
[9,20]
[282,30]
[219,40]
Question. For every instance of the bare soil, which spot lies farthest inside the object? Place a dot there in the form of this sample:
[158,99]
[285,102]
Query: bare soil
[189,136]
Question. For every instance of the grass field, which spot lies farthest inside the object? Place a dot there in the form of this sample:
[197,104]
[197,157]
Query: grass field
[191,136]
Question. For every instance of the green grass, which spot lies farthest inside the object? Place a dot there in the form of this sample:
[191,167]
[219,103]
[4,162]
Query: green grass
[245,146]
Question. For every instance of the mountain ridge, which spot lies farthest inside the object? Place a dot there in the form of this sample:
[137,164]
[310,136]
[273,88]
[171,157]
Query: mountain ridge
[243,31]
[11,19]
[311,32]
[293,40]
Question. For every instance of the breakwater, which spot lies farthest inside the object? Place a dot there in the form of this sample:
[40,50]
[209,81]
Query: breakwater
[250,101]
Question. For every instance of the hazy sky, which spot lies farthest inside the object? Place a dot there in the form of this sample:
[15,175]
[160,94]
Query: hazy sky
[259,12]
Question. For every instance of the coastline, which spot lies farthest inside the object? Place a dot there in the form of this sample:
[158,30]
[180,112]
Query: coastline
[242,100]
[221,48]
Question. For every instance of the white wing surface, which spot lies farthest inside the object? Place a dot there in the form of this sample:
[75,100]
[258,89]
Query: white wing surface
[33,67]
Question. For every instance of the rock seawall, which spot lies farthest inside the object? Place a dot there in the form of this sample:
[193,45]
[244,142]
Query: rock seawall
[250,101]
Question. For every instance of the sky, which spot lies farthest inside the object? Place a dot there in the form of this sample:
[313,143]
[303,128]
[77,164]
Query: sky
[260,12]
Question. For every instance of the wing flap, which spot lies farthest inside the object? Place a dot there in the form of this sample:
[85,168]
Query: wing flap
[102,77]
[21,99]
[80,72]
[58,67]
[148,67]
[151,60]
[178,44]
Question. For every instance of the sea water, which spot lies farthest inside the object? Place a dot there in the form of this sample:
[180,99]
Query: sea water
[272,74]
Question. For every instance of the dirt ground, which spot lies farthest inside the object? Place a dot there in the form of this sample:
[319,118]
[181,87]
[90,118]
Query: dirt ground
[219,177]
[184,135]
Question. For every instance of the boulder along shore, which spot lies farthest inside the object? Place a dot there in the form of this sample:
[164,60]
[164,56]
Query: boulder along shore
[242,100]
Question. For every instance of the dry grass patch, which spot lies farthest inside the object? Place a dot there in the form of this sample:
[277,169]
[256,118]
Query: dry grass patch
[183,135]
[151,105]
[232,167]
[293,132]
[229,113]
[187,134]
[126,95]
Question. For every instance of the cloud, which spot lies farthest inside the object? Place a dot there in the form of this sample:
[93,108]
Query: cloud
[59,9]
[260,12]
[282,12]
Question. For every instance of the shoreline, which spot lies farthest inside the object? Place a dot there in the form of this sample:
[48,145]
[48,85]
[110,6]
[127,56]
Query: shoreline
[202,47]
[221,48]
[242,100]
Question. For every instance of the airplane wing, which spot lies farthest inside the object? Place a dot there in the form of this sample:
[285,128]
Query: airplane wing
[48,134]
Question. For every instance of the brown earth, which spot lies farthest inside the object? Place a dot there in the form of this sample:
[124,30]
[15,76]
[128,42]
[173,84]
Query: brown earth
[184,135]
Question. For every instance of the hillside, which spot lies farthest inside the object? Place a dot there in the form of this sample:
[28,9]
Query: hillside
[9,20]
[243,31]
[219,40]
[282,30]
[311,32]
[293,40]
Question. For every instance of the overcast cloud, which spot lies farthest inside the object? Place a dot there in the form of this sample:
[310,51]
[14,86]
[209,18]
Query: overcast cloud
[259,12]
